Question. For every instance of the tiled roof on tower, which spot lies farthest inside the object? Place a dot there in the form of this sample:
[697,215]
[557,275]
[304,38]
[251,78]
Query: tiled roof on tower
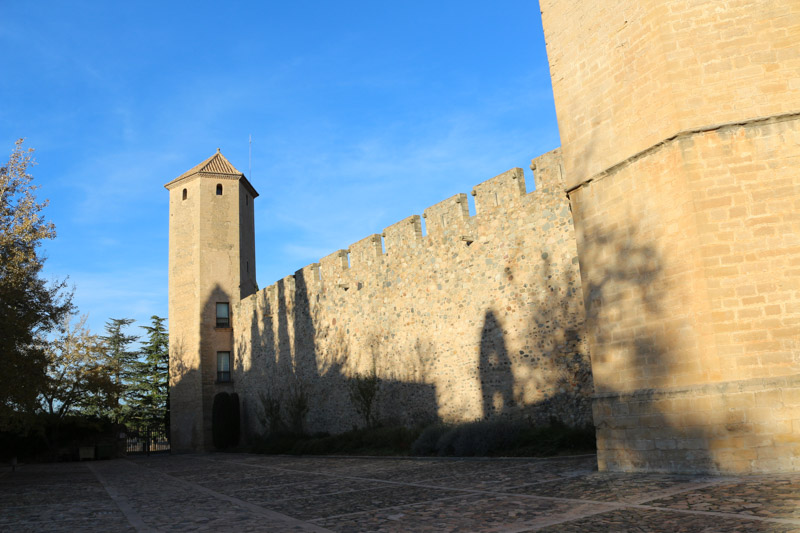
[219,166]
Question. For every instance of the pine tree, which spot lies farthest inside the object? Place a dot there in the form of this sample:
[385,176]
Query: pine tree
[122,362]
[152,383]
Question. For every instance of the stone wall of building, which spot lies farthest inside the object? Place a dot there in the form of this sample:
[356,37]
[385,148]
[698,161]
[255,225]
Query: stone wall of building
[211,260]
[628,74]
[186,397]
[680,125]
[480,317]
[693,304]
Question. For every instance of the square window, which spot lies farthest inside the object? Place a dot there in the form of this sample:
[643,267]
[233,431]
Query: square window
[223,366]
[223,315]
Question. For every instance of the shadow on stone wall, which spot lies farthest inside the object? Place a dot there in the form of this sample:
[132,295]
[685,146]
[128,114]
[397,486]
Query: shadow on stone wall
[185,430]
[637,426]
[551,379]
[307,392]
[558,363]
[636,353]
[278,367]
[494,367]
[278,360]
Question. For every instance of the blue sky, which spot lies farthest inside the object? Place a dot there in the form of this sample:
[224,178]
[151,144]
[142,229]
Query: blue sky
[361,114]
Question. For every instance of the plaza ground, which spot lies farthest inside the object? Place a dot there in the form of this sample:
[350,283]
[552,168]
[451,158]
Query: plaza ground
[243,492]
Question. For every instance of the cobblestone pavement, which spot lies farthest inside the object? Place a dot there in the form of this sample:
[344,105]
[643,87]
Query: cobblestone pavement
[242,492]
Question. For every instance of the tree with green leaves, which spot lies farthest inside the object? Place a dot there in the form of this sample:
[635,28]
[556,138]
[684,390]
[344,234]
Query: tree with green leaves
[76,375]
[122,362]
[30,307]
[150,394]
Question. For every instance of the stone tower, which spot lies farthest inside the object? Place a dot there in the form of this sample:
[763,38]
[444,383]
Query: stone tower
[211,266]
[680,130]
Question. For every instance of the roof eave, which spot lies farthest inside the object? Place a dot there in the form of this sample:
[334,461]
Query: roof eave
[240,177]
[249,186]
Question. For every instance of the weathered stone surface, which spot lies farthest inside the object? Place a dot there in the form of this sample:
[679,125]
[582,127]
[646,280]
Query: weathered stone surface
[480,317]
[680,125]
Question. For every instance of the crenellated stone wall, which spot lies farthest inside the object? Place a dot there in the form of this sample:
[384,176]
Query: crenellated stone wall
[480,317]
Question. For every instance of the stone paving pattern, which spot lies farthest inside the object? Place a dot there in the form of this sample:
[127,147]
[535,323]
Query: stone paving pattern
[244,492]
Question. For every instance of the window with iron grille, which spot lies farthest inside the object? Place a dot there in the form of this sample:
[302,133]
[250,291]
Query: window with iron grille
[223,366]
[223,315]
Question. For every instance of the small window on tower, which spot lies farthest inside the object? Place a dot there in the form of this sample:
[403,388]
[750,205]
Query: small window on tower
[185,194]
[223,366]
[246,200]
[219,189]
[223,315]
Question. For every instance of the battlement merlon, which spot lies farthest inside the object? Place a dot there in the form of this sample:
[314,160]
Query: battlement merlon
[449,215]
[548,171]
[366,252]
[334,266]
[309,275]
[265,300]
[403,235]
[505,189]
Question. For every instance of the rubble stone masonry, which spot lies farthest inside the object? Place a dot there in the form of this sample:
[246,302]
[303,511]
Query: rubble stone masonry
[480,317]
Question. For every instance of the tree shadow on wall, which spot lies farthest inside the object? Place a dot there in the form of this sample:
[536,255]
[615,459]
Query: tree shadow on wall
[309,391]
[504,392]
[549,377]
[183,386]
[494,367]
[284,379]
[254,378]
[558,355]
[635,353]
